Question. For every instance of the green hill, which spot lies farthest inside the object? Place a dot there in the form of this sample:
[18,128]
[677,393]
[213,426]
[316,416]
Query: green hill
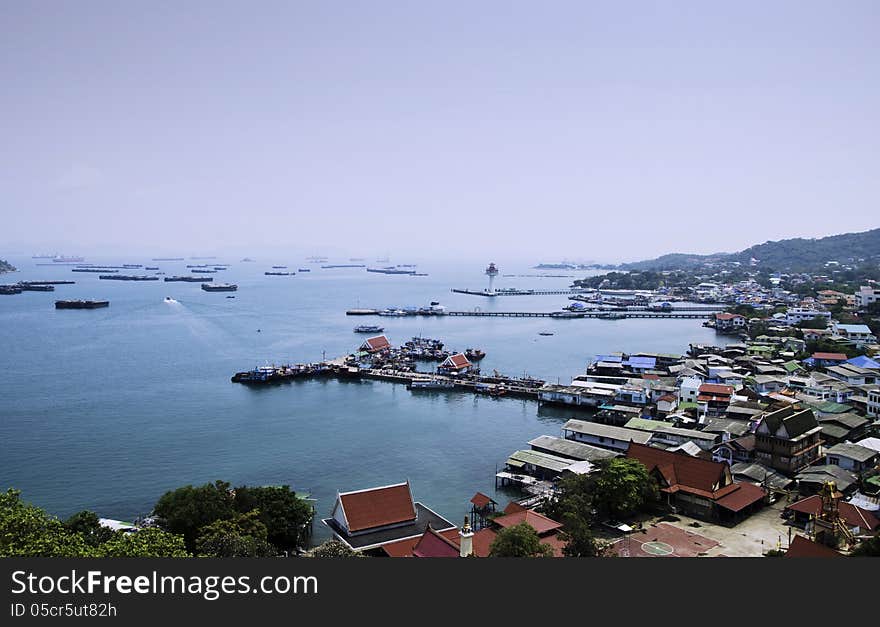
[796,255]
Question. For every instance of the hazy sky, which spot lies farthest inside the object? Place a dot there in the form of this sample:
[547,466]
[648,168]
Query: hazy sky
[535,130]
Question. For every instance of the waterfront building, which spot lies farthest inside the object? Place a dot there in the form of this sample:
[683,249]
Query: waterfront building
[375,344]
[365,520]
[455,363]
[603,436]
[664,434]
[565,448]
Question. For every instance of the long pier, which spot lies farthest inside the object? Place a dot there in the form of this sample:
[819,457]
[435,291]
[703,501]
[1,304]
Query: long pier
[484,386]
[562,315]
[517,292]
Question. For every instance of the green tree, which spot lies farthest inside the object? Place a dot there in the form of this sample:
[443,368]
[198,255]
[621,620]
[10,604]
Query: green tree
[285,516]
[149,542]
[87,524]
[519,541]
[28,531]
[333,548]
[623,486]
[186,510]
[572,505]
[242,536]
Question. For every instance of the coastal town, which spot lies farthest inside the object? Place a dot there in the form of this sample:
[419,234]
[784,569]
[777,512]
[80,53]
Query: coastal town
[768,444]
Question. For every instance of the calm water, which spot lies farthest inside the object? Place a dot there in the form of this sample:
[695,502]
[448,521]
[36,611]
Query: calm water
[107,409]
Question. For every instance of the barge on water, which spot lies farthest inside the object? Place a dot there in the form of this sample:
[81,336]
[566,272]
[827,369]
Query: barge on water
[279,273]
[81,304]
[127,277]
[220,287]
[188,279]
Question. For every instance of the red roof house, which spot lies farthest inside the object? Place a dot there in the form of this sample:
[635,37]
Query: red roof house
[455,363]
[804,547]
[369,519]
[698,487]
[857,519]
[375,344]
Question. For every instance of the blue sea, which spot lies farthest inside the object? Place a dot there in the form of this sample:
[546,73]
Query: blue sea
[107,409]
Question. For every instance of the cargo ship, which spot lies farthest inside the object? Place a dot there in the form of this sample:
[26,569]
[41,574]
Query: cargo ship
[81,304]
[199,271]
[390,270]
[188,279]
[62,259]
[127,277]
[96,270]
[279,273]
[220,287]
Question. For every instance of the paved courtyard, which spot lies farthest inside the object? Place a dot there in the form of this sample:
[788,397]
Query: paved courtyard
[759,533]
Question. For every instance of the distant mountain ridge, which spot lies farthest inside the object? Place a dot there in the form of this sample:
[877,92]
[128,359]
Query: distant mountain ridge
[796,254]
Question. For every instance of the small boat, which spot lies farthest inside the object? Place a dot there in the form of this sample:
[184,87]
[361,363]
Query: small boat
[230,297]
[366,328]
[546,333]
[304,270]
[474,354]
[168,299]
[279,267]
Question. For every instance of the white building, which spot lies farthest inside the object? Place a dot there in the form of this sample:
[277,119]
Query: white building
[799,314]
[859,333]
[874,403]
[867,295]
[689,390]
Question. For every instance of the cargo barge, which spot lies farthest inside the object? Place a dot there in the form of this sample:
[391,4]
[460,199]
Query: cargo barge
[220,287]
[188,279]
[81,304]
[127,277]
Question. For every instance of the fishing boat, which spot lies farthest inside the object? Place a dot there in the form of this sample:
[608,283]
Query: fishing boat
[368,328]
[474,354]
[546,333]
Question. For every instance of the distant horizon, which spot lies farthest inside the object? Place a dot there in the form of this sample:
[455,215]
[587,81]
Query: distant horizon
[336,254]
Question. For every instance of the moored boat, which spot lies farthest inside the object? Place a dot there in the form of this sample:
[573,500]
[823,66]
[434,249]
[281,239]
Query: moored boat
[368,328]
